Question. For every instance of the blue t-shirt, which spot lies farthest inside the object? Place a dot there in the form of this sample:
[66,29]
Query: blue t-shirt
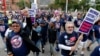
[3,28]
[78,22]
[18,46]
[67,40]
[58,25]
[85,37]
[90,36]
[96,51]
[5,19]
[97,31]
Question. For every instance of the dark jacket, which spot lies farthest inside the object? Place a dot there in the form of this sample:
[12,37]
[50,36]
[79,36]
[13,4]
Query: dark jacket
[35,36]
[29,22]
[96,51]
[29,44]
[52,35]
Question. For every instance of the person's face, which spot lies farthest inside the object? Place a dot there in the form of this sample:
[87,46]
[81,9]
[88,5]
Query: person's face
[79,16]
[99,23]
[69,28]
[51,24]
[35,25]
[16,27]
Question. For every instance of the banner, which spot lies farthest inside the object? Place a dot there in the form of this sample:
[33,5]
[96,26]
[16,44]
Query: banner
[89,20]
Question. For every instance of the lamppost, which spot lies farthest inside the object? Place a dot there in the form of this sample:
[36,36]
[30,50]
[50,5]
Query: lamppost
[66,6]
[34,1]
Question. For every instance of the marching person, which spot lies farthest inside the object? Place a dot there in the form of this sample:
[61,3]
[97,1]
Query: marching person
[44,27]
[91,39]
[18,42]
[96,28]
[3,28]
[82,44]
[52,35]
[96,51]
[36,35]
[68,39]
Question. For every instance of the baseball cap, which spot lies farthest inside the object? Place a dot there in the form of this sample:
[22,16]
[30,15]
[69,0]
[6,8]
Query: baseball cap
[16,21]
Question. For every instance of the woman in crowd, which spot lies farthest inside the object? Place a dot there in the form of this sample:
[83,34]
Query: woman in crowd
[36,35]
[52,35]
[18,42]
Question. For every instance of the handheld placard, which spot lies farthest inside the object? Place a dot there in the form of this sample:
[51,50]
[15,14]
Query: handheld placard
[87,24]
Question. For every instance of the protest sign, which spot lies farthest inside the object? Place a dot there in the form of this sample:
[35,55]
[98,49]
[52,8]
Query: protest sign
[32,11]
[89,20]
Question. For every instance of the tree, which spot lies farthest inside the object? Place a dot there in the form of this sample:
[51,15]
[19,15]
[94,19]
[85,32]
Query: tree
[84,4]
[23,3]
[58,4]
[97,4]
[72,4]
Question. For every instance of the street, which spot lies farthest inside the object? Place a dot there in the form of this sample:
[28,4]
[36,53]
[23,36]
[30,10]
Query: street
[47,50]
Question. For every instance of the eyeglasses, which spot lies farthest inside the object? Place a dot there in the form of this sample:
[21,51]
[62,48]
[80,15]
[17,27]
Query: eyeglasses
[70,27]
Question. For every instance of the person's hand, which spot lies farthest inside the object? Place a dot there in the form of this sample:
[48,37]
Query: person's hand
[73,48]
[5,39]
[81,37]
[10,55]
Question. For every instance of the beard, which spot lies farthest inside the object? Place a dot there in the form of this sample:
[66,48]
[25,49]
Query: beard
[69,32]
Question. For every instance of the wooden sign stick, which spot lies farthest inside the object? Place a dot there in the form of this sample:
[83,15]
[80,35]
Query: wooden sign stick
[79,39]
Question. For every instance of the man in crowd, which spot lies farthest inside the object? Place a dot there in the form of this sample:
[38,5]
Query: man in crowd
[68,39]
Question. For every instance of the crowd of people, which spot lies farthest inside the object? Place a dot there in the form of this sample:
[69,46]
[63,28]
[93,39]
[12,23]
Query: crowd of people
[22,33]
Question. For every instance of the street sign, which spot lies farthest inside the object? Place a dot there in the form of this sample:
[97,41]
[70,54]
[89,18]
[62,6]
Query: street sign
[89,20]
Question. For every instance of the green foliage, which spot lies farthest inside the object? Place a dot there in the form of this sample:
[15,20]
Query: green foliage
[58,4]
[23,3]
[72,4]
[98,5]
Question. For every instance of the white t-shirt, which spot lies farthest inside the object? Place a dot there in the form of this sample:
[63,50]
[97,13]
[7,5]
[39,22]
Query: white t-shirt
[53,19]
[7,32]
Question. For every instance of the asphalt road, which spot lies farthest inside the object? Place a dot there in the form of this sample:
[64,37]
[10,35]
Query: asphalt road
[47,50]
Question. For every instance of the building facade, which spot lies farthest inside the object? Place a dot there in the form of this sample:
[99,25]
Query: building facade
[12,4]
